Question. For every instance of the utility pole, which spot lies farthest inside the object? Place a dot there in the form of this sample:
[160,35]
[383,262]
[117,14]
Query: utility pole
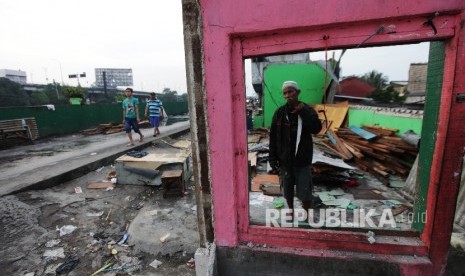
[46,75]
[105,83]
[61,71]
[56,89]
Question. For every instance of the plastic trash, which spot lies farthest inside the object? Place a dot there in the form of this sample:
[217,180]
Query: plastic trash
[164,238]
[54,254]
[70,263]
[371,237]
[52,243]
[123,239]
[278,203]
[155,263]
[191,263]
[67,229]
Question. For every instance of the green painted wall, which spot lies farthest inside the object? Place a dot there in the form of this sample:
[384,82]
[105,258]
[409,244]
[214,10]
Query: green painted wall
[371,117]
[74,118]
[257,121]
[429,130]
[310,77]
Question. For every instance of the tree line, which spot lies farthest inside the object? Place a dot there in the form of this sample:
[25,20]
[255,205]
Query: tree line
[12,94]
[384,93]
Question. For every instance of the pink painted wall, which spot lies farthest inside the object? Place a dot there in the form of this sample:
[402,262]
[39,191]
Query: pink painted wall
[242,28]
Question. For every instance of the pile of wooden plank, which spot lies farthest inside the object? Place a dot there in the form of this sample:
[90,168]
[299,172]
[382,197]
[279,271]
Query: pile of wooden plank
[111,128]
[374,149]
[104,129]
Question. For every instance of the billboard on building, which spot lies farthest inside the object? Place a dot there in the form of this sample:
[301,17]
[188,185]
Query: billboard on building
[113,77]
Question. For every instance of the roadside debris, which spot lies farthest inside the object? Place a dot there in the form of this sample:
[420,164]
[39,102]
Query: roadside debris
[191,263]
[108,215]
[70,263]
[164,238]
[110,128]
[382,153]
[371,237]
[137,153]
[60,211]
[54,254]
[124,238]
[156,263]
[100,185]
[95,214]
[105,266]
[52,243]
[66,229]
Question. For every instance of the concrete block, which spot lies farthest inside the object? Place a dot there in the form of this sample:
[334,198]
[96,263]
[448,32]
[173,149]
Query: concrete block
[205,261]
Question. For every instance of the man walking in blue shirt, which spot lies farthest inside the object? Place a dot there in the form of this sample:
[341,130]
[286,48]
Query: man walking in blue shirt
[131,116]
[154,109]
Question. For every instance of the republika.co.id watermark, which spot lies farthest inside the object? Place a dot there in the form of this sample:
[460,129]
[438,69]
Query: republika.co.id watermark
[318,218]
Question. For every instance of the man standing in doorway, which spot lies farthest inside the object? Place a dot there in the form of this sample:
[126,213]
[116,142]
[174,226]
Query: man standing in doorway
[291,146]
[131,116]
[154,109]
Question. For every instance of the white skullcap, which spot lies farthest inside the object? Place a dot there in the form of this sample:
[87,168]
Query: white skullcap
[291,84]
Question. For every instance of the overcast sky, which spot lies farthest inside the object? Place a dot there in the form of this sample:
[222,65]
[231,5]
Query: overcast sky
[40,36]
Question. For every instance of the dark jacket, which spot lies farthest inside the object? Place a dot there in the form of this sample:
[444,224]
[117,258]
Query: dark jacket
[280,137]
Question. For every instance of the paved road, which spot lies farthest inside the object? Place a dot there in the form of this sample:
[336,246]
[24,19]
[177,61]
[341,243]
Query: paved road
[53,161]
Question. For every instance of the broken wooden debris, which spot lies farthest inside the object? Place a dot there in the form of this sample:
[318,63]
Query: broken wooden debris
[379,130]
[341,148]
[259,147]
[271,189]
[255,138]
[257,181]
[103,129]
[173,183]
[374,149]
[101,185]
[334,113]
[110,128]
[363,133]
[252,156]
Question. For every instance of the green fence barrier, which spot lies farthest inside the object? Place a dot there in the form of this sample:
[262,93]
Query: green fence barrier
[74,118]
[371,117]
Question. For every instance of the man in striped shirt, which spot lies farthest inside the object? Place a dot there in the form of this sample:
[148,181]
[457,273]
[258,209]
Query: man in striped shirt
[154,109]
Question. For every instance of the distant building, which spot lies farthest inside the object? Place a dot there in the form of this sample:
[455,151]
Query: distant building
[399,86]
[416,86]
[114,77]
[355,87]
[14,75]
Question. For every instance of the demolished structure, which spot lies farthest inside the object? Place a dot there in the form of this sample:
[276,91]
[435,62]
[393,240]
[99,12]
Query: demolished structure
[219,35]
